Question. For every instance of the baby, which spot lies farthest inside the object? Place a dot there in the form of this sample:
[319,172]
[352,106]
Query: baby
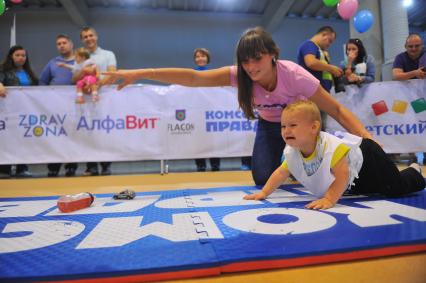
[90,79]
[329,165]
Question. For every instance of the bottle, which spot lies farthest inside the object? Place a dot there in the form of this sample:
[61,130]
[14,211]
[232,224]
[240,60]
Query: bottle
[69,203]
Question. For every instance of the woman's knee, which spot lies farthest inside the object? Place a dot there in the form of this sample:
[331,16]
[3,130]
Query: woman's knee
[260,177]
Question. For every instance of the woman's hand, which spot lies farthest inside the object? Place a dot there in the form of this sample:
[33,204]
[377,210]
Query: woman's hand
[2,90]
[351,56]
[124,77]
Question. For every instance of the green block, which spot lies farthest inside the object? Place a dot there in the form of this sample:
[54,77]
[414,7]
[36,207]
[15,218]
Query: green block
[419,105]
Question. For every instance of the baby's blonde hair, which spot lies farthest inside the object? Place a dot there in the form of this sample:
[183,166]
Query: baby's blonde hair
[82,52]
[307,107]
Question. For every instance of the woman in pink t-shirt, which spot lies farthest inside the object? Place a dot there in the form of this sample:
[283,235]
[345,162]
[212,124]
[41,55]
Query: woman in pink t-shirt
[265,84]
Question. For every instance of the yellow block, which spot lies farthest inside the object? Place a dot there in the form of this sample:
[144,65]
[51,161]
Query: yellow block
[399,106]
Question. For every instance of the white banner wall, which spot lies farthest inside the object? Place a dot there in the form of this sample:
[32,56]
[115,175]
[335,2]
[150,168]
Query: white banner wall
[43,125]
[394,112]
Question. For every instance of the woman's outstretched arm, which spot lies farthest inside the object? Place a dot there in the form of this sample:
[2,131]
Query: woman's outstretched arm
[340,113]
[180,76]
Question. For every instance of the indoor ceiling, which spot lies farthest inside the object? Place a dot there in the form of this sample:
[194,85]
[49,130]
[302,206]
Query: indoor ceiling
[272,11]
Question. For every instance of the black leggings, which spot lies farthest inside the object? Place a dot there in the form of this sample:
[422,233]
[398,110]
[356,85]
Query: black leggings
[380,175]
[267,151]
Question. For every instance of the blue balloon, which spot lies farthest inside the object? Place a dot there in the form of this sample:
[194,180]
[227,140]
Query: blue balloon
[363,21]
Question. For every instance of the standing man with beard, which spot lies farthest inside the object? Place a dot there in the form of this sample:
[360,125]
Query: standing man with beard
[52,74]
[105,61]
[411,64]
[408,65]
[313,56]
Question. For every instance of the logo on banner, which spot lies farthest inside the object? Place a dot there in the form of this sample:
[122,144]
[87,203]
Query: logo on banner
[180,115]
[228,121]
[109,124]
[399,106]
[42,125]
[180,128]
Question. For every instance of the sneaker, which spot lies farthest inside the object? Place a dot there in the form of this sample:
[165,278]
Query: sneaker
[245,167]
[52,173]
[90,173]
[215,168]
[416,166]
[24,174]
[201,168]
[106,171]
[70,172]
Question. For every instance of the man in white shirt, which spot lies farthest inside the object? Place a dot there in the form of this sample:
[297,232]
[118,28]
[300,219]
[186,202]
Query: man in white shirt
[105,61]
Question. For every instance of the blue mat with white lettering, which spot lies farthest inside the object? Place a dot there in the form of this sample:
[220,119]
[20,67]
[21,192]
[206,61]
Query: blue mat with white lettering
[199,232]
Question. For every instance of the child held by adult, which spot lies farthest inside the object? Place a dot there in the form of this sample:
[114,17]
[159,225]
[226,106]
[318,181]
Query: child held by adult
[89,80]
[329,165]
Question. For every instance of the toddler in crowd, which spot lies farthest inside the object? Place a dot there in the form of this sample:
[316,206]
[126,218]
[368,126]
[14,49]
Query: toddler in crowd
[329,165]
[89,80]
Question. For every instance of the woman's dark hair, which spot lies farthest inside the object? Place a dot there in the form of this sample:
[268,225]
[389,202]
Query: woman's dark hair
[362,54]
[9,65]
[253,43]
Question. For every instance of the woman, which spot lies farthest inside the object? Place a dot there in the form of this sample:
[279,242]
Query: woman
[265,84]
[359,67]
[16,71]
[202,59]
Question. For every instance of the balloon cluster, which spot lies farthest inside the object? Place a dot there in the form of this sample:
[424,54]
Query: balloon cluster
[3,5]
[363,20]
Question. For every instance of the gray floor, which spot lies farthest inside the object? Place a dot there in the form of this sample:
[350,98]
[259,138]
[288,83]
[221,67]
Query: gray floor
[145,167]
[152,167]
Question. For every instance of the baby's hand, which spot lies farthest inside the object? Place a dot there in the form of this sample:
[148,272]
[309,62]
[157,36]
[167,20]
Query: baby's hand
[61,64]
[257,196]
[321,203]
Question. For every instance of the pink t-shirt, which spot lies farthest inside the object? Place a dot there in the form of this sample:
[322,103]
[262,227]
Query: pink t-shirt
[293,83]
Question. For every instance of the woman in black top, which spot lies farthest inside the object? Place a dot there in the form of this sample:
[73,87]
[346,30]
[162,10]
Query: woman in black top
[15,70]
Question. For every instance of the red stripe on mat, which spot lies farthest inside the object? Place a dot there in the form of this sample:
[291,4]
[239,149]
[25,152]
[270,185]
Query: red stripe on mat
[329,258]
[258,265]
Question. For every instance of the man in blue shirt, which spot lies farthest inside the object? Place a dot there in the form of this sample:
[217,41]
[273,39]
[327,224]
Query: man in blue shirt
[411,63]
[312,56]
[52,74]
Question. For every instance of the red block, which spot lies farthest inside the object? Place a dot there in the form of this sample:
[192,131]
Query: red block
[379,107]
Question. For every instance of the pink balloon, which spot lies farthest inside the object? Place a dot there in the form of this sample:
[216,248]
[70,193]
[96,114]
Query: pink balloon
[16,1]
[347,8]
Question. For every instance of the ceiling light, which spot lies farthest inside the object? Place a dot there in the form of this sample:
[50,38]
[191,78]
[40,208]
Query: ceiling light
[407,3]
